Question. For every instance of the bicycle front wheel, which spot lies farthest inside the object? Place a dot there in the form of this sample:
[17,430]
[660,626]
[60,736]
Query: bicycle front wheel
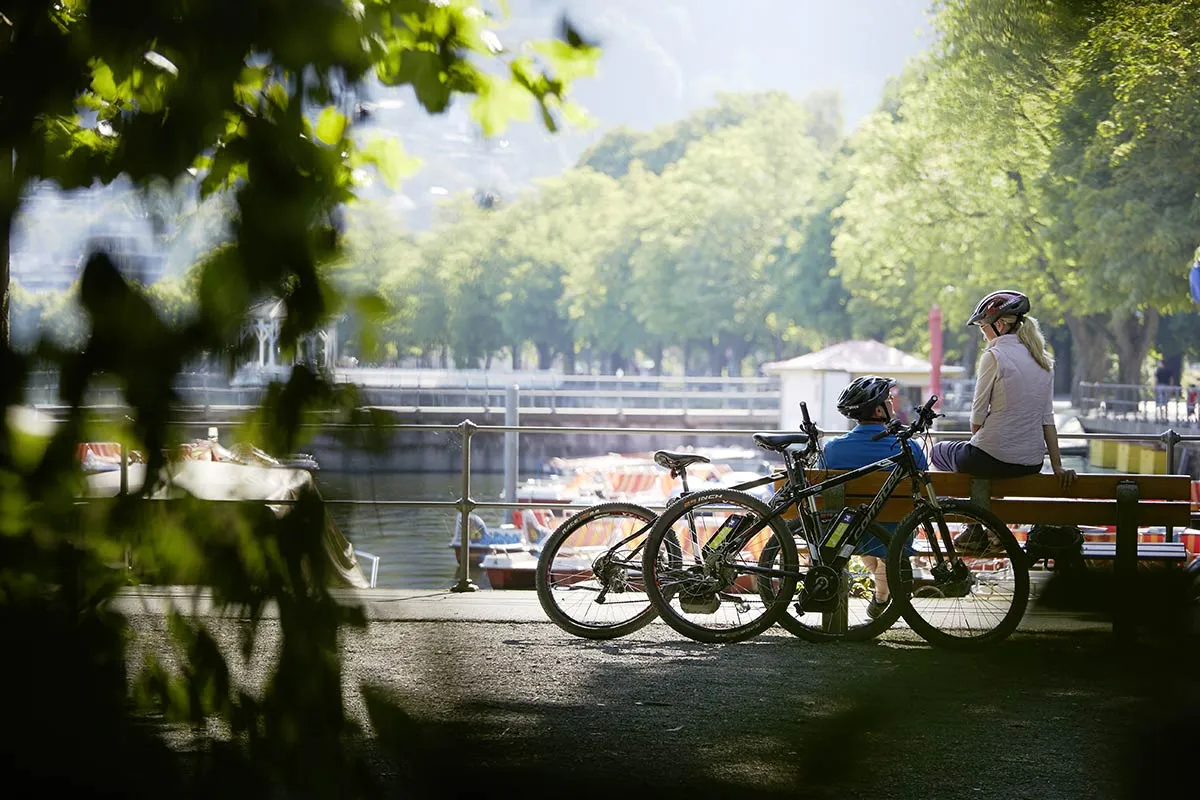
[973,600]
[589,573]
[719,594]
[846,616]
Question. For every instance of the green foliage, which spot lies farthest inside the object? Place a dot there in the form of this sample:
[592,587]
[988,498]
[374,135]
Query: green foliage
[1042,145]
[253,101]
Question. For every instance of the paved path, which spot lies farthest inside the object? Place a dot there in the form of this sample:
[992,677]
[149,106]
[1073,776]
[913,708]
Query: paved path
[443,605]
[503,703]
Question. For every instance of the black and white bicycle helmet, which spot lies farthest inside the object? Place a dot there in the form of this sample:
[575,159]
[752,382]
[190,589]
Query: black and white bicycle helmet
[859,399]
[1002,303]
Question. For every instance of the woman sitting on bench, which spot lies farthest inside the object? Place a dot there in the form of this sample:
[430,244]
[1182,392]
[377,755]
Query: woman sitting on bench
[1012,414]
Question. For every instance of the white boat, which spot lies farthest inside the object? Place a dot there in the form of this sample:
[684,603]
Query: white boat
[509,557]
[512,569]
[203,470]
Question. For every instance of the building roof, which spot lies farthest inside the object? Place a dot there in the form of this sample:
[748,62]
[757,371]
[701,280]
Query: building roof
[858,356]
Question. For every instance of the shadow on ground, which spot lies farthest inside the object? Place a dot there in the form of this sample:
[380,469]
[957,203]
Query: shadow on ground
[1042,716]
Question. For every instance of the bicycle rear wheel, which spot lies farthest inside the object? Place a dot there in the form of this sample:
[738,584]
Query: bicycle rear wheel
[846,617]
[589,573]
[975,601]
[722,596]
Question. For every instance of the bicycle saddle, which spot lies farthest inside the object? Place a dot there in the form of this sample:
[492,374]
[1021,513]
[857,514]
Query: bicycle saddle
[779,441]
[677,461]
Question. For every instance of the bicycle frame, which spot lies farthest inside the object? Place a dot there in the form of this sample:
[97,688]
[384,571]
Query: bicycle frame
[634,557]
[801,495]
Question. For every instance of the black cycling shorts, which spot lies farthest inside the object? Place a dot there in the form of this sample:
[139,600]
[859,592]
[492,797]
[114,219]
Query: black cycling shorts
[962,456]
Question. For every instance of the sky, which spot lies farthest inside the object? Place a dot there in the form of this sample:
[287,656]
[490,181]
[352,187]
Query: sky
[665,58]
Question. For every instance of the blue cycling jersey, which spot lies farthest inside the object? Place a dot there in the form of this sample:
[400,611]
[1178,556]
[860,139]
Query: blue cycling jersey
[855,449]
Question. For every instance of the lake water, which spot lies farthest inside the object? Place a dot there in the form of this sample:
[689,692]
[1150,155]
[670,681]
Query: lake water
[413,544]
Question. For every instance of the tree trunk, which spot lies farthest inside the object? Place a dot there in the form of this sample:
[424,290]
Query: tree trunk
[716,358]
[1132,336]
[970,356]
[1090,342]
[615,360]
[656,354]
[516,357]
[569,361]
[545,356]
[1060,339]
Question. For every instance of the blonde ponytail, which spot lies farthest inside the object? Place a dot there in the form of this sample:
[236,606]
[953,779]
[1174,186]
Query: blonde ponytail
[1030,334]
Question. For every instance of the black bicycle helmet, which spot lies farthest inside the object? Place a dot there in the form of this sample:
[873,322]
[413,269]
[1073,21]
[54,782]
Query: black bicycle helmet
[1003,303]
[858,400]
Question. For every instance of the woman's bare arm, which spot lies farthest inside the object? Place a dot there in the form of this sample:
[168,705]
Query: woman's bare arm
[1066,476]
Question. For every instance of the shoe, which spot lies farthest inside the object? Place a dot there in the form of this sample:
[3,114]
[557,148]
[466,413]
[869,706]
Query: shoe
[877,607]
[975,541]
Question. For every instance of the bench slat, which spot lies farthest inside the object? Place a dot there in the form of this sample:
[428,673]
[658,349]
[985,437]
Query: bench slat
[1146,550]
[1053,512]
[1086,486]
[1089,512]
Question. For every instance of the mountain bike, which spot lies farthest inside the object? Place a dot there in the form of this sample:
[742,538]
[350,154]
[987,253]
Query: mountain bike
[723,566]
[589,572]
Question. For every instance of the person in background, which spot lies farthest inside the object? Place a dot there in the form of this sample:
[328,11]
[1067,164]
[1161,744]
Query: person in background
[1012,413]
[869,402]
[1162,380]
[1192,394]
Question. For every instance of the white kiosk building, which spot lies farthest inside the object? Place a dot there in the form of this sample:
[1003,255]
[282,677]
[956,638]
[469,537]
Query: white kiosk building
[818,378]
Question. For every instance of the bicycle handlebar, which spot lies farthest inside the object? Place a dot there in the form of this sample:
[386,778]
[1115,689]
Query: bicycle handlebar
[809,427]
[925,417]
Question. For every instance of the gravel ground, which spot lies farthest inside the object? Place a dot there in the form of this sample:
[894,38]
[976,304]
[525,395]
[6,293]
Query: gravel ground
[524,707]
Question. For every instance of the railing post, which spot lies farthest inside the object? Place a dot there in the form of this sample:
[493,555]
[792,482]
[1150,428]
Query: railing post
[124,490]
[1125,564]
[465,505]
[1171,438]
[512,459]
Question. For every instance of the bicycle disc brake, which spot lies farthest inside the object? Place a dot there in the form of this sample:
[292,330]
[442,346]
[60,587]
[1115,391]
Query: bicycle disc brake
[952,580]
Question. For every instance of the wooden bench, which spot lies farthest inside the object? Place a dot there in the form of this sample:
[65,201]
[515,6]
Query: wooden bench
[1126,501]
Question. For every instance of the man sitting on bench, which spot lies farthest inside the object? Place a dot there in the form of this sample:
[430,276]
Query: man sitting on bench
[868,401]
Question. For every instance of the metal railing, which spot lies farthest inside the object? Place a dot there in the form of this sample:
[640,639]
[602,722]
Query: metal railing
[566,394]
[1139,403]
[465,504]
[374,565]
